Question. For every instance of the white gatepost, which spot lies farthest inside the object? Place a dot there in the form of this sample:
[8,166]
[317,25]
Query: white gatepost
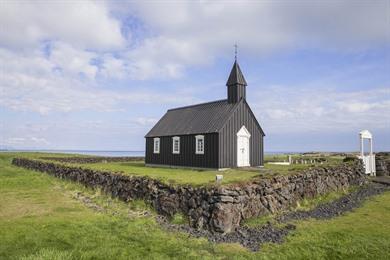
[369,159]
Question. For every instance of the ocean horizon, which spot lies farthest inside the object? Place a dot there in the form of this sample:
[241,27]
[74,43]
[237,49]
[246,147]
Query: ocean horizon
[118,153]
[84,152]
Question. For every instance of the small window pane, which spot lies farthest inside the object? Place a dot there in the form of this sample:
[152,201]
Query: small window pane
[176,145]
[156,145]
[199,144]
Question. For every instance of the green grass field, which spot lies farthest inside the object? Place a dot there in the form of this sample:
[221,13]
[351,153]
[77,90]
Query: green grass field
[42,217]
[192,176]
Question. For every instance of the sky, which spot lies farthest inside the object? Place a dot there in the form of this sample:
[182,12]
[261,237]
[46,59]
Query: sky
[97,75]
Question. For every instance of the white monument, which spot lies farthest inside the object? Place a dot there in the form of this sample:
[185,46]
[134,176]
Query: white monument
[368,159]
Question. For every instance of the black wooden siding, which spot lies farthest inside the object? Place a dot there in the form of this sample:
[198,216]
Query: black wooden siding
[187,156]
[228,138]
[235,93]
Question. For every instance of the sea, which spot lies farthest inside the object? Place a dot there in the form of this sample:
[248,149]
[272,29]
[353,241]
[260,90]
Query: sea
[87,152]
[113,153]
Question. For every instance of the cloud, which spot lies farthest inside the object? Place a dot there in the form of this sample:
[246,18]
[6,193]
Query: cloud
[25,141]
[144,121]
[292,109]
[198,32]
[31,82]
[163,57]
[72,61]
[63,132]
[87,24]
[157,58]
[114,68]
[360,107]
[164,46]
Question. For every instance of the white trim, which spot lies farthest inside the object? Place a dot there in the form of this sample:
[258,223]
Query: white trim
[197,150]
[365,134]
[156,145]
[243,132]
[243,147]
[174,139]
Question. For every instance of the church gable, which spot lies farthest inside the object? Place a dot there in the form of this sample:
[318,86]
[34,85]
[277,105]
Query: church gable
[242,116]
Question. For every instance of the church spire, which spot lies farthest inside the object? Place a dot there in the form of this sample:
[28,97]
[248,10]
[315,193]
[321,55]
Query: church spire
[236,76]
[235,51]
[236,84]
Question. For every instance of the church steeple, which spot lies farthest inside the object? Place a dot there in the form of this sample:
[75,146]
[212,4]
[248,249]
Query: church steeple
[236,84]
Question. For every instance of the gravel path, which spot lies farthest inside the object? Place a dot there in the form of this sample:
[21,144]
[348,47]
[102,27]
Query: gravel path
[247,237]
[252,238]
[336,207]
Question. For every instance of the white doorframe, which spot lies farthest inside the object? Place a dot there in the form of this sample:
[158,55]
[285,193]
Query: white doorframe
[243,148]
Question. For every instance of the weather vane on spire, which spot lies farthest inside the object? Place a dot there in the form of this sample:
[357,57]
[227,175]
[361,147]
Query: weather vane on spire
[235,51]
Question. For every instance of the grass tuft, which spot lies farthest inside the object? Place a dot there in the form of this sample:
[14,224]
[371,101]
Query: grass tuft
[179,219]
[48,254]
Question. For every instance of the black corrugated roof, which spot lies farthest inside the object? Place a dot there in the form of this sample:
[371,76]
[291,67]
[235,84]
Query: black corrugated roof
[236,76]
[196,119]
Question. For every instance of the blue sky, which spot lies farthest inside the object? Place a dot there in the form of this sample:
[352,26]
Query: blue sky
[98,75]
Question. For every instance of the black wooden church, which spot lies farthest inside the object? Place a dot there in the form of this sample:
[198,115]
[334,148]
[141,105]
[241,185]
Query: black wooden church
[219,134]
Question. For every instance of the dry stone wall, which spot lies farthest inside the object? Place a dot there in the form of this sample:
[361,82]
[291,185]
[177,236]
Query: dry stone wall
[382,161]
[219,209]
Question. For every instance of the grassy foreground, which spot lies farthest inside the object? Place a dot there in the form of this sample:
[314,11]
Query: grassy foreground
[42,217]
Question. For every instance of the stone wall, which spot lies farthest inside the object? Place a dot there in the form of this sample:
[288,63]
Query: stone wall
[382,163]
[219,209]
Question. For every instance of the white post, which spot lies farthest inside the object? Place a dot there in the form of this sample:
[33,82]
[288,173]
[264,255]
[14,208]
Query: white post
[372,163]
[368,160]
[371,146]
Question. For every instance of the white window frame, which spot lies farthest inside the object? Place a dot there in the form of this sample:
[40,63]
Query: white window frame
[174,139]
[156,140]
[197,150]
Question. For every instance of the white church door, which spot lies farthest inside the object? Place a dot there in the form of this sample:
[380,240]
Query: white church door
[243,137]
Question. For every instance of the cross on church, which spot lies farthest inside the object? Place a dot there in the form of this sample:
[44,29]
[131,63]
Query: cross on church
[235,51]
